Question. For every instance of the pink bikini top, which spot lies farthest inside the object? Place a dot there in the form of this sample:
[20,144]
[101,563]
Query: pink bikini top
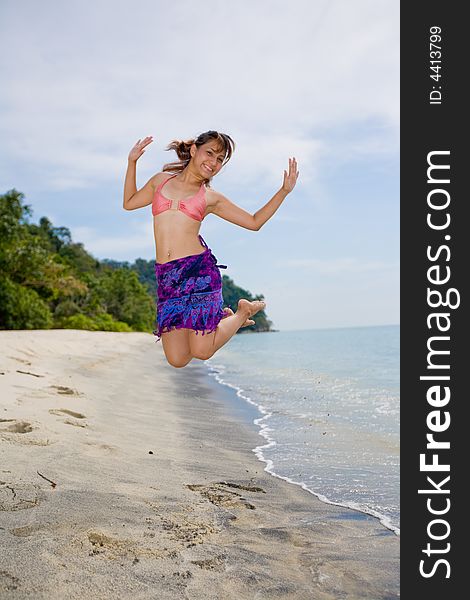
[193,207]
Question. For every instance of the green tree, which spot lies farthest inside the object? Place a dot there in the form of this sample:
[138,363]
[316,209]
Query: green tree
[54,237]
[126,299]
[22,308]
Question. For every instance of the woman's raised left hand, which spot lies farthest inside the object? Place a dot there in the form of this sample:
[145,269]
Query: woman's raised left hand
[290,177]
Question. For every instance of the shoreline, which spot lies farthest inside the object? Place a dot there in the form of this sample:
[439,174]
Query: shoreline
[158,491]
[257,413]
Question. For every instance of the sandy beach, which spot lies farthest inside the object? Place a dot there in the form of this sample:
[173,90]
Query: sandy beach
[121,477]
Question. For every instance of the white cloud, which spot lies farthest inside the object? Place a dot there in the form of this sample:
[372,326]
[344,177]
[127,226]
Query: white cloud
[137,242]
[81,87]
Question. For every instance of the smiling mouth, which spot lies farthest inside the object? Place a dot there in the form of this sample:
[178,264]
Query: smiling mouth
[207,168]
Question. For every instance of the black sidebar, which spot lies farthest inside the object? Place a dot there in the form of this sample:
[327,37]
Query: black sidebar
[434,300]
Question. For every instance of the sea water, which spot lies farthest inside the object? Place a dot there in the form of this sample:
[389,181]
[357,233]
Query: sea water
[328,405]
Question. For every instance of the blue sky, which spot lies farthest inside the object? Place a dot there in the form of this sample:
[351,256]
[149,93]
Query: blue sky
[318,80]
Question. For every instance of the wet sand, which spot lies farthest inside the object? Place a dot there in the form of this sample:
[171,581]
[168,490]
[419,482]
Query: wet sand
[154,490]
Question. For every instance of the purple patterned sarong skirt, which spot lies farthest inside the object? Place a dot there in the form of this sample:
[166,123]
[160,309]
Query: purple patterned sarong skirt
[189,293]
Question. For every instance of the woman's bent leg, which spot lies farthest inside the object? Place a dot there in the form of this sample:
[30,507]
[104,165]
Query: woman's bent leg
[176,347]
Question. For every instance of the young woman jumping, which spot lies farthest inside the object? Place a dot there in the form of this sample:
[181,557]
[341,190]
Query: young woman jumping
[189,284]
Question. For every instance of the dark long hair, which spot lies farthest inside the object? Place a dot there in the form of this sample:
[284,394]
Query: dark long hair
[182,147]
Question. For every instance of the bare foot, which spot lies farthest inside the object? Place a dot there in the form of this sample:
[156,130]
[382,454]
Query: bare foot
[250,308]
[228,312]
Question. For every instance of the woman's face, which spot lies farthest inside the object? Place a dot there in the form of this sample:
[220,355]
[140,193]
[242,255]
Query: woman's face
[208,158]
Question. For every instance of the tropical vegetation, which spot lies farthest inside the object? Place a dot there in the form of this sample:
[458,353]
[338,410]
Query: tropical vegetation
[49,281]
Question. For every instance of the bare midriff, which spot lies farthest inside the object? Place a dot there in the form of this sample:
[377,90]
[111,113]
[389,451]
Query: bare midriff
[176,236]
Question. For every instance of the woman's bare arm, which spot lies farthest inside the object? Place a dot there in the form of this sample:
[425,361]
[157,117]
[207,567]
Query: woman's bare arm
[134,198]
[229,211]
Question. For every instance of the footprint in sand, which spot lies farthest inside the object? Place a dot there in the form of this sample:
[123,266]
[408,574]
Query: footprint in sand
[218,494]
[113,547]
[65,411]
[8,582]
[188,531]
[216,563]
[75,423]
[18,495]
[184,525]
[25,531]
[63,389]
[9,432]
[16,426]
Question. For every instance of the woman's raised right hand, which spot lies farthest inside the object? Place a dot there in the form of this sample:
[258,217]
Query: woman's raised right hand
[138,148]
